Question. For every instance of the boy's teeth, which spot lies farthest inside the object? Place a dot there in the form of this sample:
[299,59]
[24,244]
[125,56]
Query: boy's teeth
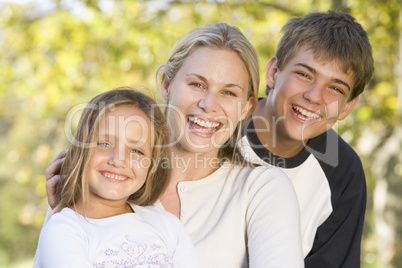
[306,113]
[114,176]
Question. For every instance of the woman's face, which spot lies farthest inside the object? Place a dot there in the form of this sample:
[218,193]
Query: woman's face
[207,98]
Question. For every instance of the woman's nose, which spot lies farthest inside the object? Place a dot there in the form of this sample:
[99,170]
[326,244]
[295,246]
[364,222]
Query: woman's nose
[208,102]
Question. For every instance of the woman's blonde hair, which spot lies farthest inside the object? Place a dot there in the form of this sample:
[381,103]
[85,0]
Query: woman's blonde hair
[219,36]
[73,185]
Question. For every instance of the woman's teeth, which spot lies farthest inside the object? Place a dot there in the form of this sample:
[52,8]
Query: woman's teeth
[203,123]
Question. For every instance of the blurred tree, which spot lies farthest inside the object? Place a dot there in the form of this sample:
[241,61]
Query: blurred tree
[388,171]
[57,54]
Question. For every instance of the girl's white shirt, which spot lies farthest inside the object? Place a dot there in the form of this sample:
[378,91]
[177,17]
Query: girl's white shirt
[150,237]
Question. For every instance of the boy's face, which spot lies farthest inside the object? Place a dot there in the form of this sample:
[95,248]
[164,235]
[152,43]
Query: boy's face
[307,96]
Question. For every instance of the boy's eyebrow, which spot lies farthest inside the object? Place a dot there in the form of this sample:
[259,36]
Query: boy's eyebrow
[307,67]
[339,81]
[312,70]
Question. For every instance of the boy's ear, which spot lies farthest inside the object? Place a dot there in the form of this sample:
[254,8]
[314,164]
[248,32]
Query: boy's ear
[270,72]
[165,90]
[348,108]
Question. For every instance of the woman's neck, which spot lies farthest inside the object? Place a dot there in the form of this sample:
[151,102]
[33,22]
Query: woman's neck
[186,166]
[189,166]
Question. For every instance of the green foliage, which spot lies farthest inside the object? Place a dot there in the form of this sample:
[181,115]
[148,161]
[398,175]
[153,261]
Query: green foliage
[55,57]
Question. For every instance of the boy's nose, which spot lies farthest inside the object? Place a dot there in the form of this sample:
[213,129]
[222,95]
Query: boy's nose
[314,94]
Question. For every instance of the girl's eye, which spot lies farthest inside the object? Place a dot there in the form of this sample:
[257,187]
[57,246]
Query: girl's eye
[136,151]
[103,144]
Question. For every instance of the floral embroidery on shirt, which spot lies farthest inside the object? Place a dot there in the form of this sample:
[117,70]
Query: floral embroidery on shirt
[135,254]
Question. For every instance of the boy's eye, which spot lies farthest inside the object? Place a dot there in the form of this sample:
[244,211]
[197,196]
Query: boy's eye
[103,144]
[303,74]
[338,90]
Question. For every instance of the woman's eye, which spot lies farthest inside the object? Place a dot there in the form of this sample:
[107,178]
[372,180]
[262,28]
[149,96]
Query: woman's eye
[136,151]
[103,144]
[230,93]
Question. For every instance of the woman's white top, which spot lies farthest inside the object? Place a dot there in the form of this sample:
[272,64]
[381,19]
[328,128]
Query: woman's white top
[242,217]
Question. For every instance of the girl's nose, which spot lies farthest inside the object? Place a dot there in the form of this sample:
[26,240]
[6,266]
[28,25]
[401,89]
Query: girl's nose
[118,158]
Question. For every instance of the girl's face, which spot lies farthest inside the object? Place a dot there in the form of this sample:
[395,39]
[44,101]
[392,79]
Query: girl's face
[207,98]
[120,161]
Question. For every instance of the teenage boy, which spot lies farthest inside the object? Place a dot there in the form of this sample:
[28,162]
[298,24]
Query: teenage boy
[322,64]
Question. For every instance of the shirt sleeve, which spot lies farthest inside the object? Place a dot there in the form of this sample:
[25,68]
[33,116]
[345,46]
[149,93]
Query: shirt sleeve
[273,221]
[338,240]
[61,244]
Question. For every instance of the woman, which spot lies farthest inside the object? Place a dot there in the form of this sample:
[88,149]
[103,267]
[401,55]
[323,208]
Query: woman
[236,215]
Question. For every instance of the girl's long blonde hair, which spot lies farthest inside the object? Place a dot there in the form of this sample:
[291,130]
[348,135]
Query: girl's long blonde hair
[73,185]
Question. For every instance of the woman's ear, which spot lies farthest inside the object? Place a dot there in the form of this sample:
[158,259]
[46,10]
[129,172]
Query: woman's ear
[270,72]
[249,104]
[165,84]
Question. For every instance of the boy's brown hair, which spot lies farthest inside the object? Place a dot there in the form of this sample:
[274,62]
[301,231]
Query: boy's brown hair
[332,36]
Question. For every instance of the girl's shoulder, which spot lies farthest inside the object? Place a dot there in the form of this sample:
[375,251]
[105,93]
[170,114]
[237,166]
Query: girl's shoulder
[63,224]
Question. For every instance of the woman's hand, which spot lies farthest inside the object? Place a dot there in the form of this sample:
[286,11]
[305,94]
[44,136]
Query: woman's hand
[53,177]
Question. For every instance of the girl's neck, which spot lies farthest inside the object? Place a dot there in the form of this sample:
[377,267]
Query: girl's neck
[101,208]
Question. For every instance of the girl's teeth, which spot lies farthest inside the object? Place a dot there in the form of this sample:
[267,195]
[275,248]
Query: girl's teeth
[115,177]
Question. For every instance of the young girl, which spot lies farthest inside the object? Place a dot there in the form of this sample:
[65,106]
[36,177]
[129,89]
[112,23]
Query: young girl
[115,168]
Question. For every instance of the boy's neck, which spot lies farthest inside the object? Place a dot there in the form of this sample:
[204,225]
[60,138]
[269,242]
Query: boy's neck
[264,123]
